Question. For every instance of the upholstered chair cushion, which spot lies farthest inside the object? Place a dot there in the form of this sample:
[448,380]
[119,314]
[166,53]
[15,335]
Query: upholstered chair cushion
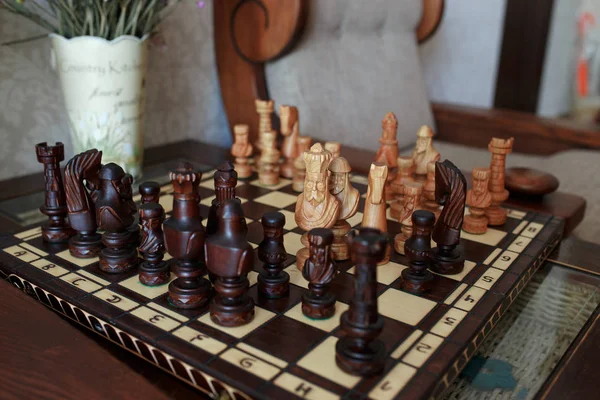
[356,61]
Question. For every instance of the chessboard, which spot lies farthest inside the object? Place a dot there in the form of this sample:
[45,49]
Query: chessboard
[428,339]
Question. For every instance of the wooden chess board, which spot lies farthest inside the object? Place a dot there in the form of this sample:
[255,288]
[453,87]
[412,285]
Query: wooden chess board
[428,339]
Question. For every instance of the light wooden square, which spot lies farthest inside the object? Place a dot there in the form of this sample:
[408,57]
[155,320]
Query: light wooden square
[303,388]
[116,299]
[422,350]
[252,278]
[386,273]
[359,179]
[489,278]
[292,243]
[491,237]
[505,260]
[290,220]
[519,244]
[282,183]
[407,343]
[260,317]
[356,219]
[296,276]
[321,361]
[151,292]
[81,283]
[155,318]
[454,295]
[30,233]
[469,265]
[516,214]
[166,201]
[208,175]
[471,297]
[49,267]
[277,199]
[391,384]
[21,253]
[80,262]
[326,325]
[404,307]
[200,340]
[251,364]
[448,322]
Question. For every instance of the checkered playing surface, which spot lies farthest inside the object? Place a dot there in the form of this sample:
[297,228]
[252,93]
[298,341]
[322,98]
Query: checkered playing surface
[282,351]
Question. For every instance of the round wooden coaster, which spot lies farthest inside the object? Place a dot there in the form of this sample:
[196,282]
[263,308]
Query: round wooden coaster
[530,181]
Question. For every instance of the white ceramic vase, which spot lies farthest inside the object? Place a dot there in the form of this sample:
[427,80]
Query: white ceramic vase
[103,87]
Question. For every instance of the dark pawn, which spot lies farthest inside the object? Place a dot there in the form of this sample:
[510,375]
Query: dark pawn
[81,185]
[184,240]
[56,230]
[319,270]
[153,270]
[359,352]
[225,179]
[451,192]
[273,283]
[115,212]
[417,279]
[150,192]
[229,257]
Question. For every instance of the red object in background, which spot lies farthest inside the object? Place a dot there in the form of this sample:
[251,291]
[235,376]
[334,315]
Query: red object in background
[586,20]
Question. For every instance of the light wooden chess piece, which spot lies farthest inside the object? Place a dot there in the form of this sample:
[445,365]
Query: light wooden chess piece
[478,199]
[412,198]
[335,148]
[315,207]
[348,196]
[268,168]
[424,153]
[264,109]
[241,150]
[428,199]
[303,143]
[406,168]
[388,151]
[375,206]
[290,128]
[499,148]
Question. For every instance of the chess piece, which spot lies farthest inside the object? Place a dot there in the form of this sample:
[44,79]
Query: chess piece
[273,282]
[229,257]
[499,148]
[388,151]
[424,153]
[115,212]
[412,199]
[225,181]
[405,174]
[264,109]
[80,198]
[184,240]
[335,148]
[319,270]
[375,206]
[56,229]
[153,270]
[428,199]
[478,199]
[303,143]
[290,128]
[241,150]
[316,207]
[416,279]
[451,192]
[358,351]
[341,188]
[268,167]
[149,192]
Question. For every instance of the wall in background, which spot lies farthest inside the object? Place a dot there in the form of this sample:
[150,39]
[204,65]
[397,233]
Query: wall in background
[183,99]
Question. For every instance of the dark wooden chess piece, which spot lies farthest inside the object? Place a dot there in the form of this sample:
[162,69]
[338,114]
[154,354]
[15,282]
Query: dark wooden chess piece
[359,352]
[417,279]
[153,270]
[56,230]
[229,257]
[319,270]
[81,183]
[451,192]
[273,282]
[225,181]
[150,192]
[115,212]
[184,240]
